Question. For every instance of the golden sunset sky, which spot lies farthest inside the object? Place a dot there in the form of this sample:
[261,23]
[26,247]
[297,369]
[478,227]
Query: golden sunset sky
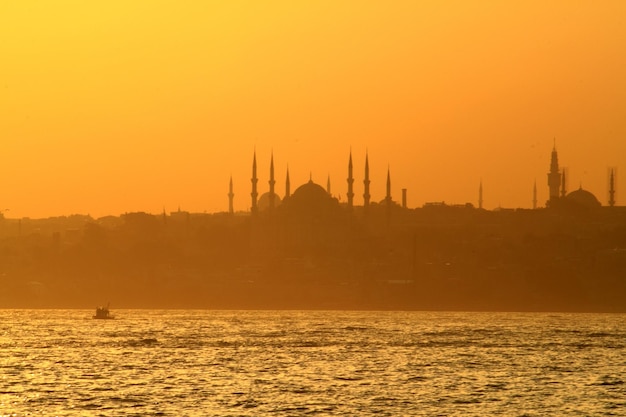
[109,107]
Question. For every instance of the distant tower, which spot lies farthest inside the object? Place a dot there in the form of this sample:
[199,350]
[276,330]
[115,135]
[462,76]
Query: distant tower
[254,193]
[404,198]
[328,185]
[535,195]
[231,196]
[287,185]
[350,183]
[480,195]
[554,177]
[366,183]
[564,178]
[388,196]
[612,187]
[272,182]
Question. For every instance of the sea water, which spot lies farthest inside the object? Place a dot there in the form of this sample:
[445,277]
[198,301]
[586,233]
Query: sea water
[291,363]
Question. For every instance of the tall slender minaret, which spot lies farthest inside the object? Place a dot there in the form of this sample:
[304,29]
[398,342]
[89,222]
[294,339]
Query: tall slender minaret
[254,193]
[350,194]
[366,183]
[231,196]
[287,185]
[535,195]
[388,198]
[272,182]
[388,195]
[328,185]
[612,187]
[563,182]
[554,177]
[480,194]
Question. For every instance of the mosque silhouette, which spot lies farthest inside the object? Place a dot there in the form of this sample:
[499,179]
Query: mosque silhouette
[560,198]
[311,197]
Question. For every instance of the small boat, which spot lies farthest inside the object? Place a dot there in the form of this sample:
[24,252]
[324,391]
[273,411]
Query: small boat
[103,313]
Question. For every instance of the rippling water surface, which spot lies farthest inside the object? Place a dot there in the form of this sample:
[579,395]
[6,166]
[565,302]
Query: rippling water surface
[199,363]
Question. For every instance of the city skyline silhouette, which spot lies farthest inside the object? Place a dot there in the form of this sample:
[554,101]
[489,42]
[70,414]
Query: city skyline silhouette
[310,250]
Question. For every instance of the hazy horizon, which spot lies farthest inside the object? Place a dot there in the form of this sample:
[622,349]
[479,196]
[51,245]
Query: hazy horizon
[150,106]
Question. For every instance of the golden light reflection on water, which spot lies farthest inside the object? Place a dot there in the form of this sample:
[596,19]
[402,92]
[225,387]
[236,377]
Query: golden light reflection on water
[296,363]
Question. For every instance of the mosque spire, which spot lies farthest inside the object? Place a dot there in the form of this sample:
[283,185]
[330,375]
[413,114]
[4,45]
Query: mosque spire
[254,180]
[272,182]
[388,196]
[350,194]
[535,195]
[287,185]
[366,183]
[554,176]
[480,194]
[328,185]
[612,187]
[231,196]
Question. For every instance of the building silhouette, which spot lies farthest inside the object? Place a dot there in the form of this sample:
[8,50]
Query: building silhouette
[559,198]
[579,199]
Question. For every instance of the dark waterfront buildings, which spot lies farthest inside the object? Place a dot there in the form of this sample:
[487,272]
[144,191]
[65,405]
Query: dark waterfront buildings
[309,250]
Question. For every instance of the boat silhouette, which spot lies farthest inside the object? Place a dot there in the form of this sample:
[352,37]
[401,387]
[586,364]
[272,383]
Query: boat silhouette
[103,313]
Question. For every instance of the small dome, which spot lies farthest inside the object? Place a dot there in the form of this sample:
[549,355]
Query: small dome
[583,198]
[264,201]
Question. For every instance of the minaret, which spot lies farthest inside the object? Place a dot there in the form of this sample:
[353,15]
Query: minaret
[254,193]
[350,194]
[388,196]
[366,183]
[554,177]
[535,195]
[272,182]
[480,195]
[231,195]
[612,187]
[328,185]
[287,185]
[563,182]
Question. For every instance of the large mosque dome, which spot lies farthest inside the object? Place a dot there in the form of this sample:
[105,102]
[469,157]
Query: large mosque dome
[310,198]
[583,198]
[311,220]
[310,193]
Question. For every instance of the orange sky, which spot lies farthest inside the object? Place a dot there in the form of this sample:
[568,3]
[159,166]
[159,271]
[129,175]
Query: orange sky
[119,106]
